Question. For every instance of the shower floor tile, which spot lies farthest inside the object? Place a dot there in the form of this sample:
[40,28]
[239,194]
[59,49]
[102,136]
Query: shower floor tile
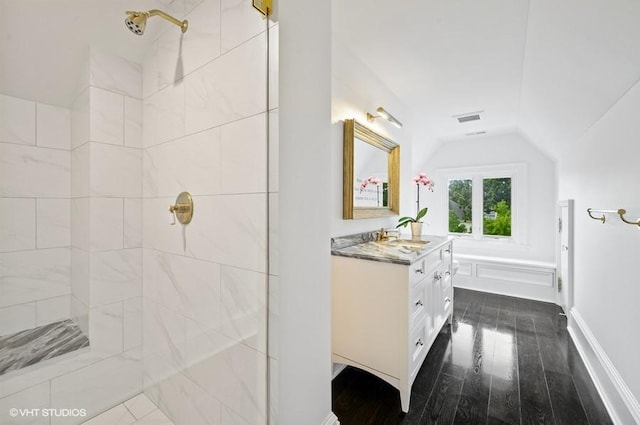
[31,346]
[138,410]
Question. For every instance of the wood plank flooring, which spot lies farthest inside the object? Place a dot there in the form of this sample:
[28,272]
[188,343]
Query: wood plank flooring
[503,361]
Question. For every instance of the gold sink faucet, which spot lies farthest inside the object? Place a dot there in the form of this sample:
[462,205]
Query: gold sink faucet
[382,235]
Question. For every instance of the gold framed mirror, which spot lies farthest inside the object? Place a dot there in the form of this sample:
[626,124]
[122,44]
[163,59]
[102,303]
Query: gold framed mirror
[371,173]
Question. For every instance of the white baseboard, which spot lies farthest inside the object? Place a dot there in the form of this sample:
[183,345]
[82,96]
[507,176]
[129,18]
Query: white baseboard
[332,419]
[622,406]
[546,295]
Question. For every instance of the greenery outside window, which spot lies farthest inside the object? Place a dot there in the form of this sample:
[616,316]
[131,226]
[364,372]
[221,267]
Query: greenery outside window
[496,195]
[482,202]
[460,206]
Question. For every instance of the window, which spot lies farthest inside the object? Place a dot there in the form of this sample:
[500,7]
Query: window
[460,206]
[482,201]
[496,202]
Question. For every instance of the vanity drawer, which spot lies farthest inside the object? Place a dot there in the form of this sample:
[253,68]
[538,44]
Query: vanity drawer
[417,303]
[447,252]
[417,271]
[446,287]
[418,347]
[447,293]
[447,274]
[434,259]
[447,303]
[424,266]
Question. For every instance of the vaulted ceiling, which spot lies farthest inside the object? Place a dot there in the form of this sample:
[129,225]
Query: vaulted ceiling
[44,43]
[547,68]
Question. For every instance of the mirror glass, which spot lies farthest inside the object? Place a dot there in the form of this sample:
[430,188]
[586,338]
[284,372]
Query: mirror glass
[371,173]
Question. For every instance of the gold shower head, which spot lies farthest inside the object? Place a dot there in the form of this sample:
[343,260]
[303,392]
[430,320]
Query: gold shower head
[137,21]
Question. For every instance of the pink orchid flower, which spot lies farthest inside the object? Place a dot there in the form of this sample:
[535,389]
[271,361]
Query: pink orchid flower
[422,179]
[370,179]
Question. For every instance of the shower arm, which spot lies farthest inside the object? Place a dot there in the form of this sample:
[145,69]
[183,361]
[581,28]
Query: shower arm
[181,24]
[156,12]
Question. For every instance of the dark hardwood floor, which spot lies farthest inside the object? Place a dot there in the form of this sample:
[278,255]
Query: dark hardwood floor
[503,361]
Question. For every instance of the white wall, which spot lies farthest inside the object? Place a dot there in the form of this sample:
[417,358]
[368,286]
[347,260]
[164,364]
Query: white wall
[601,170]
[510,148]
[304,370]
[35,172]
[355,91]
[306,55]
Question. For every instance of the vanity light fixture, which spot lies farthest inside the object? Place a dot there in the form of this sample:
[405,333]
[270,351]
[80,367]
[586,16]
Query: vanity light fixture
[384,114]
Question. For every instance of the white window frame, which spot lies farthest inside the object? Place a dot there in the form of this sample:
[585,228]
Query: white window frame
[519,209]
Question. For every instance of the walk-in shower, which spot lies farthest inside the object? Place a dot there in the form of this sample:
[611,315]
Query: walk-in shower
[120,301]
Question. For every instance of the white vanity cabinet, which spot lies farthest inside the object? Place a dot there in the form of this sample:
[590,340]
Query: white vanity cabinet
[385,316]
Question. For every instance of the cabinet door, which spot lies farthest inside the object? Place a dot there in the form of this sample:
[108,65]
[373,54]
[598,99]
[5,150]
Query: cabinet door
[447,290]
[447,253]
[447,279]
[429,298]
[437,307]
[418,349]
[417,303]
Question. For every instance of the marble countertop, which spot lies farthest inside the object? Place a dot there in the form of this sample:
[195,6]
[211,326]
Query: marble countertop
[397,251]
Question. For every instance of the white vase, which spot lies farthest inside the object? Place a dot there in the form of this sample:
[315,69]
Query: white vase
[416,230]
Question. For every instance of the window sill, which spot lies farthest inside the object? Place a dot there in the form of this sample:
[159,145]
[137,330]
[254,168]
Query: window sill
[470,237]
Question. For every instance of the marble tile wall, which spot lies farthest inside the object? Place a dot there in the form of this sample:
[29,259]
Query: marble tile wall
[106,206]
[81,246]
[35,236]
[103,246]
[205,285]
[81,206]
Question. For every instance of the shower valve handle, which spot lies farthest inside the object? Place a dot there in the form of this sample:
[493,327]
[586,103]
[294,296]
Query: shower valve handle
[177,208]
[182,210]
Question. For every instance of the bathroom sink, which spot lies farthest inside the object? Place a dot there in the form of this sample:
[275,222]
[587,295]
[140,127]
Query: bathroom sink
[411,244]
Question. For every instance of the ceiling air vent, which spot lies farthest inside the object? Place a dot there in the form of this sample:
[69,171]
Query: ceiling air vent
[467,118]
